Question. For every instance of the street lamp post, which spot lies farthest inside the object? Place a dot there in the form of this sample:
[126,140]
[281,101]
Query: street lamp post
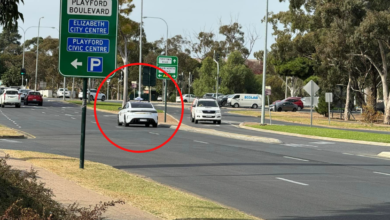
[264,68]
[36,68]
[166,54]
[140,49]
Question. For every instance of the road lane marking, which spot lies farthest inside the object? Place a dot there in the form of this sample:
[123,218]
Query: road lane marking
[93,122]
[72,118]
[348,154]
[10,141]
[154,133]
[298,145]
[291,181]
[293,158]
[322,142]
[68,115]
[386,174]
[43,113]
[202,142]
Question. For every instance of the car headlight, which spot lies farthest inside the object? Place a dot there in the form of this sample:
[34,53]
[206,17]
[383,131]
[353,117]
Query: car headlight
[199,111]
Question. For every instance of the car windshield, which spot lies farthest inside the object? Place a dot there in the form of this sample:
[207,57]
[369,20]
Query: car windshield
[34,93]
[230,96]
[61,90]
[141,105]
[93,90]
[207,104]
[12,92]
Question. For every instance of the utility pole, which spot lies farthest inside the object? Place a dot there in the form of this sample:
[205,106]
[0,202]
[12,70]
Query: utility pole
[189,83]
[264,67]
[73,89]
[140,48]
[36,68]
[216,59]
[63,95]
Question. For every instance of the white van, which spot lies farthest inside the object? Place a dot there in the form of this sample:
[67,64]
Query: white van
[246,100]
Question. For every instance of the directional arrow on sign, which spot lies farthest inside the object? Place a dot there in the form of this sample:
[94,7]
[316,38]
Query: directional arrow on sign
[76,64]
[159,75]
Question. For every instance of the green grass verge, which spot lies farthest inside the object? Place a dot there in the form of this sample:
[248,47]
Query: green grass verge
[109,106]
[161,200]
[327,132]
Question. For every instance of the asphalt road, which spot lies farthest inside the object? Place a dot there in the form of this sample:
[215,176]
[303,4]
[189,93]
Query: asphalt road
[299,179]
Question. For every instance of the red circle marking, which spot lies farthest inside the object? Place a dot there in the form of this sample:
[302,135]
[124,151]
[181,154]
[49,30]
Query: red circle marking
[152,149]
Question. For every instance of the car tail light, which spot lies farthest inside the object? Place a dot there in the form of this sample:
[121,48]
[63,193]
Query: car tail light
[19,97]
[4,96]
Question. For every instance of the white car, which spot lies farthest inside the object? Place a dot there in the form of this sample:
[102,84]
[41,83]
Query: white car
[205,109]
[91,94]
[186,98]
[23,93]
[137,112]
[60,93]
[159,98]
[10,97]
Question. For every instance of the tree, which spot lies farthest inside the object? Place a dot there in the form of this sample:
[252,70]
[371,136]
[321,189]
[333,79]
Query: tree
[9,14]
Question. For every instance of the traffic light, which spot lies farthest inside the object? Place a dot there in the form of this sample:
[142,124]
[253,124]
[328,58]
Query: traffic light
[180,77]
[217,57]
[23,71]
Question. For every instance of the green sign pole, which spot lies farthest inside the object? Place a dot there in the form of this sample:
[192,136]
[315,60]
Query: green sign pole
[88,45]
[170,65]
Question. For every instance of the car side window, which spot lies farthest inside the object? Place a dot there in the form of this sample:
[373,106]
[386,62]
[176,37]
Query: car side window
[236,97]
[127,106]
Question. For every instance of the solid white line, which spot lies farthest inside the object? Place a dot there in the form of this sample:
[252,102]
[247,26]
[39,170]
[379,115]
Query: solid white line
[154,133]
[11,141]
[72,118]
[93,122]
[387,174]
[293,158]
[291,181]
[202,142]
[348,154]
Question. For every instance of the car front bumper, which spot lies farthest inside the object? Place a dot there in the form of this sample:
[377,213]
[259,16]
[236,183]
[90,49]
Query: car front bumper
[208,117]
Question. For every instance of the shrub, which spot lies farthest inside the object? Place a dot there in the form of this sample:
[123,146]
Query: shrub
[22,197]
[370,115]
[172,98]
[322,107]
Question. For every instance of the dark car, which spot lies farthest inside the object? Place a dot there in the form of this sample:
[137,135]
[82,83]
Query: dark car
[222,100]
[33,97]
[284,106]
[296,100]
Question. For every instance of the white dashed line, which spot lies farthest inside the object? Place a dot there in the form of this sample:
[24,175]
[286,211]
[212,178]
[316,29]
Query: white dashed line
[73,118]
[322,142]
[291,181]
[293,158]
[348,154]
[386,174]
[202,142]
[43,113]
[10,141]
[154,133]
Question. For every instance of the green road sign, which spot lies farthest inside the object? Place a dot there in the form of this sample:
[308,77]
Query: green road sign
[88,38]
[169,64]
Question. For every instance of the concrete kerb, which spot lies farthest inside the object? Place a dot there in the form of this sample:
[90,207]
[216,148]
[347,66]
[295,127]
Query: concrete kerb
[384,154]
[242,125]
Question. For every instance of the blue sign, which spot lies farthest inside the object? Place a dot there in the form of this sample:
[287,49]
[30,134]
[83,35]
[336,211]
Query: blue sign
[251,97]
[80,26]
[95,64]
[88,45]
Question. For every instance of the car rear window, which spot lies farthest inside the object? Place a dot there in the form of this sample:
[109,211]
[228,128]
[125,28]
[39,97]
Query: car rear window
[141,105]
[207,104]
[12,92]
[35,93]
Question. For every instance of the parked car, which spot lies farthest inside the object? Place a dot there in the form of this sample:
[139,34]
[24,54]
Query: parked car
[205,110]
[210,95]
[246,100]
[60,93]
[159,98]
[284,106]
[295,100]
[91,94]
[222,100]
[10,97]
[137,112]
[23,93]
[33,97]
[186,98]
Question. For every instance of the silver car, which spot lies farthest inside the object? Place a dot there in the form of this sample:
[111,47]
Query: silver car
[284,106]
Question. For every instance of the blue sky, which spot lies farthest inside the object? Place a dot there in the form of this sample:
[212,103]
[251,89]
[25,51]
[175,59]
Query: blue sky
[184,17]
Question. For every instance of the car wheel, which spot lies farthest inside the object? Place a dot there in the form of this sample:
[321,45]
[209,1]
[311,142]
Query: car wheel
[147,125]
[219,122]
[124,122]
[91,98]
[103,98]
[236,105]
[299,108]
[255,106]
[279,109]
[119,123]
[40,104]
[223,104]
[196,121]
[2,105]
[17,106]
[155,125]
[192,119]
[294,109]
[81,99]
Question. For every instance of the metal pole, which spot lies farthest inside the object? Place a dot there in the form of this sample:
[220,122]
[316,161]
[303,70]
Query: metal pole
[83,124]
[150,88]
[264,67]
[72,89]
[165,112]
[189,83]
[285,95]
[36,68]
[311,106]
[182,82]
[63,94]
[328,111]
[89,86]
[140,49]
[108,90]
[22,80]
[216,88]
[269,109]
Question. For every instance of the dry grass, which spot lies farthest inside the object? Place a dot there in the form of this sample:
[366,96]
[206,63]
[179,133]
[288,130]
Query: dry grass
[304,118]
[4,131]
[160,200]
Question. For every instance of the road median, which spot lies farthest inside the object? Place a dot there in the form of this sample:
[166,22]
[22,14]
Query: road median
[9,133]
[147,195]
[321,133]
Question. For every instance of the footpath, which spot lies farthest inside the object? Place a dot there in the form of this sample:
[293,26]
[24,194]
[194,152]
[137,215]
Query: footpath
[67,192]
